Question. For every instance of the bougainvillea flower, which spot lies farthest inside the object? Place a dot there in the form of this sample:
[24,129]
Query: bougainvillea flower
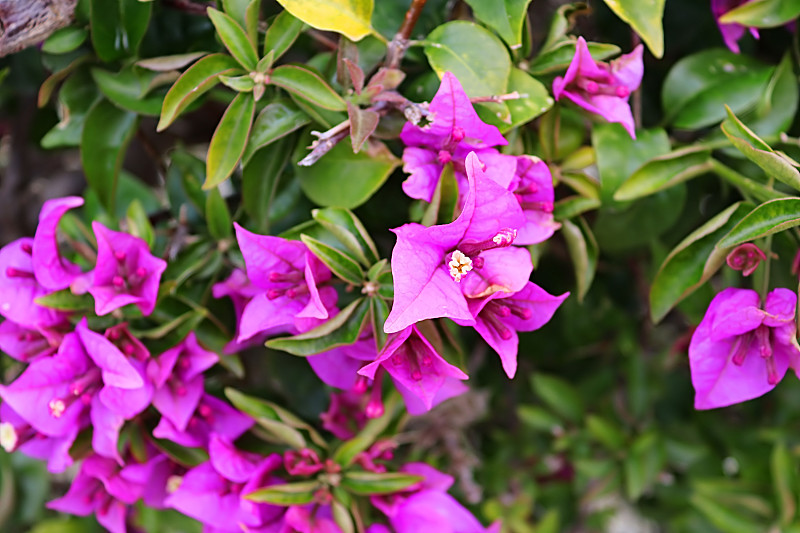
[308,519]
[126,272]
[288,275]
[212,417]
[19,288]
[428,263]
[500,316]
[17,434]
[740,350]
[100,488]
[745,257]
[731,32]
[602,88]
[410,359]
[233,464]
[346,414]
[178,378]
[26,344]
[533,186]
[427,508]
[52,271]
[205,495]
[454,130]
[238,288]
[54,394]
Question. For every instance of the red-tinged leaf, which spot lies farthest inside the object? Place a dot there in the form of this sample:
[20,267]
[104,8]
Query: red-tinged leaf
[230,137]
[234,38]
[282,33]
[305,83]
[362,124]
[106,134]
[193,83]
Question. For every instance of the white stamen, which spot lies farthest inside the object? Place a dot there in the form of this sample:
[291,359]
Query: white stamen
[459,265]
[8,437]
[505,237]
[57,407]
[173,483]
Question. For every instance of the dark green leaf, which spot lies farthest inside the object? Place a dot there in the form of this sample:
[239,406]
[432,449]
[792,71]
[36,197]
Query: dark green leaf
[763,13]
[171,62]
[217,216]
[282,33]
[118,27]
[728,519]
[65,40]
[559,395]
[77,96]
[106,134]
[343,266]
[347,452]
[277,119]
[692,262]
[193,83]
[768,218]
[476,57]
[303,82]
[138,222]
[534,100]
[66,301]
[261,177]
[230,137]
[583,251]
[368,483]
[784,476]
[560,55]
[776,107]
[643,464]
[234,38]
[344,179]
[698,85]
[188,457]
[127,89]
[605,432]
[665,171]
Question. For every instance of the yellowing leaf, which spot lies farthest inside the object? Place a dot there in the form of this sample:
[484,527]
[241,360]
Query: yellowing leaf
[644,16]
[348,17]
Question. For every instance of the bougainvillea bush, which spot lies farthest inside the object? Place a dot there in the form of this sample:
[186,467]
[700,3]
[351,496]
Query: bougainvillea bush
[356,266]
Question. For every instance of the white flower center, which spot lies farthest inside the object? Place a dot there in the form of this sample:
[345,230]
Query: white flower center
[173,483]
[8,437]
[459,265]
[57,407]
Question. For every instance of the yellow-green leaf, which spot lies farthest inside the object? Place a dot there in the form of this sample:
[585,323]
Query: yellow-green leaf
[644,16]
[348,17]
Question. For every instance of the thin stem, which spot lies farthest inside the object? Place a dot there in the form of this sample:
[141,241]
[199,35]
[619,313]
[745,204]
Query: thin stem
[637,94]
[498,97]
[188,6]
[764,285]
[397,47]
[325,141]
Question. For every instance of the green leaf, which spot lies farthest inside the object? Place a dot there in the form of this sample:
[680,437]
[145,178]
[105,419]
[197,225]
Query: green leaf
[535,99]
[118,27]
[776,107]
[559,395]
[170,62]
[197,80]
[342,517]
[573,206]
[230,137]
[276,120]
[344,179]
[784,476]
[503,16]
[341,330]
[234,38]
[347,452]
[775,164]
[768,218]
[340,264]
[106,134]
[237,10]
[665,171]
[65,40]
[309,85]
[605,432]
[127,89]
[261,177]
[560,56]
[643,464]
[442,207]
[348,17]
[476,57]
[217,216]
[763,13]
[725,518]
[241,84]
[348,230]
[66,301]
[583,251]
[698,85]
[299,493]
[368,483]
[618,156]
[644,16]
[692,262]
[138,222]
[282,33]
[362,124]
[188,457]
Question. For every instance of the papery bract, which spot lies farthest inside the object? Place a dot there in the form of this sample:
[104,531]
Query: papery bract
[731,32]
[212,417]
[52,271]
[126,272]
[533,187]
[741,351]
[428,263]
[602,88]
[19,288]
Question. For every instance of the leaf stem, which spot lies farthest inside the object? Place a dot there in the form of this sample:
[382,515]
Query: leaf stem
[398,45]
